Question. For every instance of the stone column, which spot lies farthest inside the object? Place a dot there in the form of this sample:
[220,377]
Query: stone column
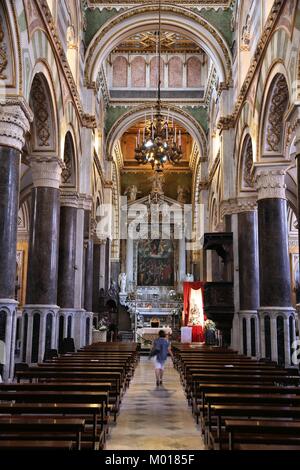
[182,263]
[249,273]
[84,270]
[67,265]
[107,271]
[274,266]
[41,295]
[15,117]
[240,218]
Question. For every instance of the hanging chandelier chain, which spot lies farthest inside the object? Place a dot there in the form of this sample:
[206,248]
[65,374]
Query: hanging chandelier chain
[161,143]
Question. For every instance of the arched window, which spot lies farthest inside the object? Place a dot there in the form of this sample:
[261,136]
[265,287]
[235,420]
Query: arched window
[35,337]
[138,72]
[253,337]
[277,105]
[87,331]
[291,333]
[193,72]
[244,336]
[175,72]
[69,326]
[60,332]
[267,323]
[280,341]
[49,323]
[25,333]
[154,72]
[120,72]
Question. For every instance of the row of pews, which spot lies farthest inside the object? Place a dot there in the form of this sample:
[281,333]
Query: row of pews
[68,402]
[240,403]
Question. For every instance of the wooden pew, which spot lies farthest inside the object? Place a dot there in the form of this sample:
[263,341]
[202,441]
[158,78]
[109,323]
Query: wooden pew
[269,431]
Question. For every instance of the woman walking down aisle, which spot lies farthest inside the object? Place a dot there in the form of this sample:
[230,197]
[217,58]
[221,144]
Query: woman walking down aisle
[161,349]
[155,418]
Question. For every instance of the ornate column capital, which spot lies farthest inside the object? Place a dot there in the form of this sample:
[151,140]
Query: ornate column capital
[270,183]
[15,118]
[238,205]
[69,199]
[46,170]
[85,202]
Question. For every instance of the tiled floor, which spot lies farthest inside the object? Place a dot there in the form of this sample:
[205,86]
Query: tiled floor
[155,418]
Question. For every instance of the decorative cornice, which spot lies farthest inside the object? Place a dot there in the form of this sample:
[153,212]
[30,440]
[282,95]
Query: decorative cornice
[46,170]
[69,199]
[259,53]
[112,3]
[89,121]
[270,184]
[15,118]
[238,205]
[46,15]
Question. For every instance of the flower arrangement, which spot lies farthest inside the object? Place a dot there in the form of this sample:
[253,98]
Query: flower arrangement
[209,325]
[103,324]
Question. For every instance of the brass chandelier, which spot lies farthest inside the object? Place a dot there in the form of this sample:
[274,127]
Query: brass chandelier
[160,141]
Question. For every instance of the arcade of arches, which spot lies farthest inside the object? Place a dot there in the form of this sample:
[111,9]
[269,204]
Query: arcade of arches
[78,83]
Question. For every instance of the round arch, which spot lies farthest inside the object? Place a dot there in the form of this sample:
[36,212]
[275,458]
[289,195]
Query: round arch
[175,19]
[132,116]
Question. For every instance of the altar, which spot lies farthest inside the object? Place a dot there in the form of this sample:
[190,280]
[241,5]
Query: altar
[147,335]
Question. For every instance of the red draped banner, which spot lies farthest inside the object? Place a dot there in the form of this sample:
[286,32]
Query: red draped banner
[193,295]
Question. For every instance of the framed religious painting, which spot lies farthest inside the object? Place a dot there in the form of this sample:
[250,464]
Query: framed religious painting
[155,261]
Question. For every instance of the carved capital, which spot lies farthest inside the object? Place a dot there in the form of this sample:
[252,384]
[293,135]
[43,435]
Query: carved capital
[226,122]
[270,184]
[69,199]
[15,118]
[238,206]
[46,170]
[85,202]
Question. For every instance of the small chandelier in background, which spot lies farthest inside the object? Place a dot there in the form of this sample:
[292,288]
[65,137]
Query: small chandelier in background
[160,142]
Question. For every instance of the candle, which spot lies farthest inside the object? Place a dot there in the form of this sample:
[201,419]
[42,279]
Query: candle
[179,139]
[139,136]
[175,135]
[144,130]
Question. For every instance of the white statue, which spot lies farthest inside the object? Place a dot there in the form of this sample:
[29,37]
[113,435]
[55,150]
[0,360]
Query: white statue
[131,192]
[158,180]
[122,283]
[189,277]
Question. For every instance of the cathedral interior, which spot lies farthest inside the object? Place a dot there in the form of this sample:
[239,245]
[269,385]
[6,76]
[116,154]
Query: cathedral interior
[145,145]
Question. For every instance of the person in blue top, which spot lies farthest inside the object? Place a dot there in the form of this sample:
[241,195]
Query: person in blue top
[161,349]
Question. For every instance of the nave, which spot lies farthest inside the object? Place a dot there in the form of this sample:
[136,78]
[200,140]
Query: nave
[154,417]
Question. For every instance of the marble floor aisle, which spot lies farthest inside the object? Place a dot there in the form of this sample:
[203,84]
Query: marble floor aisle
[155,418]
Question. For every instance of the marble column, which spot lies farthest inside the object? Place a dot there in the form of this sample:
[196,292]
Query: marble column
[102,280]
[67,265]
[42,277]
[96,277]
[249,275]
[274,266]
[15,119]
[181,263]
[84,272]
[88,291]
[107,271]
